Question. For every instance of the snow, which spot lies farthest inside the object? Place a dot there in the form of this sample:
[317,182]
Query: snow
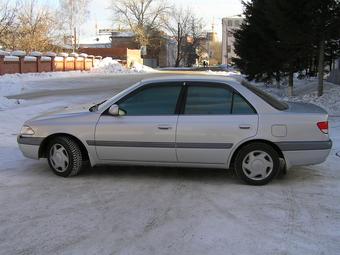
[11,58]
[45,58]
[15,83]
[144,210]
[305,90]
[74,54]
[139,68]
[36,54]
[50,54]
[59,58]
[30,58]
[4,53]
[109,65]
[18,53]
[63,54]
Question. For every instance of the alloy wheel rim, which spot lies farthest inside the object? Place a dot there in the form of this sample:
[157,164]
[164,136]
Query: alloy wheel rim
[257,165]
[59,158]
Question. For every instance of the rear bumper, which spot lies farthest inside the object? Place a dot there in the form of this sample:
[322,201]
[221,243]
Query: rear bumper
[305,153]
[29,146]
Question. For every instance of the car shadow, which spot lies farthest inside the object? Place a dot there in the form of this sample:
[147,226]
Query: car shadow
[295,176]
[166,173]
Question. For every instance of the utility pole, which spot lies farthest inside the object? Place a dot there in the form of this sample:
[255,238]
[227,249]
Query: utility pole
[179,40]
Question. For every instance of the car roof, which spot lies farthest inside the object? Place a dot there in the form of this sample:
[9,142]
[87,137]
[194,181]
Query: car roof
[210,78]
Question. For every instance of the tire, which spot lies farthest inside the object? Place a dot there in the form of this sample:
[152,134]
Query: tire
[257,164]
[64,156]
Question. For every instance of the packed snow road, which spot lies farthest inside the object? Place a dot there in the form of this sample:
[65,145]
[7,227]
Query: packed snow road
[144,210]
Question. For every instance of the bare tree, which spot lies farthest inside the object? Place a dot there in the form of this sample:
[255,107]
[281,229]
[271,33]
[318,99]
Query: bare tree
[141,16]
[34,27]
[177,24]
[198,38]
[74,13]
[7,18]
[187,29]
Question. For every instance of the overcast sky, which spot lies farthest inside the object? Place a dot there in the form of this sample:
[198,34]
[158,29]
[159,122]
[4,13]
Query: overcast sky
[210,10]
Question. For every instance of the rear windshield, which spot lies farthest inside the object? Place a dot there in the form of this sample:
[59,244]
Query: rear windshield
[277,104]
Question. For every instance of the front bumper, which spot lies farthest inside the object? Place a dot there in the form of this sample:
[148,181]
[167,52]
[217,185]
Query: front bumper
[29,146]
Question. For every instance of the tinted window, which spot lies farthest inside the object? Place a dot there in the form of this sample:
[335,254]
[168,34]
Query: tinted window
[152,100]
[208,100]
[268,98]
[241,106]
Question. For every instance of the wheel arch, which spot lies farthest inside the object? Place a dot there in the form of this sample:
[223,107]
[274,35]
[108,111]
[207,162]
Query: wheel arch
[240,146]
[48,139]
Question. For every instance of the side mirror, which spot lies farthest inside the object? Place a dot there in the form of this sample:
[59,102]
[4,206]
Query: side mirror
[115,111]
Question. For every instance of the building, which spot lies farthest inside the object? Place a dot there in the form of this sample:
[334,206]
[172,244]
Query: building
[109,38]
[168,52]
[120,44]
[229,26]
[211,46]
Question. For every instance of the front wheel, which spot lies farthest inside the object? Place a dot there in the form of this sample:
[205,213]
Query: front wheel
[257,164]
[64,156]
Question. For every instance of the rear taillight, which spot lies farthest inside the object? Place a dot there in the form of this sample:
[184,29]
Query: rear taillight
[323,126]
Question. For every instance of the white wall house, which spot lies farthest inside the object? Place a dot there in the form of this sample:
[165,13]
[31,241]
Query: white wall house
[229,26]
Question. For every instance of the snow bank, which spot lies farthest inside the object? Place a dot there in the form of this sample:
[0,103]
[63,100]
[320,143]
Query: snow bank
[305,91]
[11,84]
[330,100]
[109,65]
[139,68]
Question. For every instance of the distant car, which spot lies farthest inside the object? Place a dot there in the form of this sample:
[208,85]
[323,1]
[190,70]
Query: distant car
[191,121]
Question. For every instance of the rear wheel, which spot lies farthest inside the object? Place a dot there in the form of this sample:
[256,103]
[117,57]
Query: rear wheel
[257,164]
[64,156]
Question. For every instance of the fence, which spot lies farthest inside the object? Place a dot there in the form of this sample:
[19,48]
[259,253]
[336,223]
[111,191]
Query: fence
[21,63]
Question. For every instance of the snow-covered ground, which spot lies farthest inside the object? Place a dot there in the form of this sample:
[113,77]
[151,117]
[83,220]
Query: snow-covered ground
[136,210]
[14,83]
[305,90]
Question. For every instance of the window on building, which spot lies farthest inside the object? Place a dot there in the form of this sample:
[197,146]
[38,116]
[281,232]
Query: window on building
[230,23]
[237,23]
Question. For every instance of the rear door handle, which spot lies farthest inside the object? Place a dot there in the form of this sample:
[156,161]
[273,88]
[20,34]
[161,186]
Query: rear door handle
[164,127]
[244,126]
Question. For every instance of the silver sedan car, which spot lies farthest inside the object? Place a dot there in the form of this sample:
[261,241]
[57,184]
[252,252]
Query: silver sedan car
[191,121]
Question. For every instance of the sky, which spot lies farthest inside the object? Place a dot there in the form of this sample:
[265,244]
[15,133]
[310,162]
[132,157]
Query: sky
[210,10]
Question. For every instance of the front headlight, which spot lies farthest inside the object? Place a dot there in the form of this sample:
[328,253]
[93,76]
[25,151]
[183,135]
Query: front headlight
[26,131]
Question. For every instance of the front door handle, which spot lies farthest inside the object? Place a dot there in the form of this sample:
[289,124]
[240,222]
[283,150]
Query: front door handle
[244,126]
[164,127]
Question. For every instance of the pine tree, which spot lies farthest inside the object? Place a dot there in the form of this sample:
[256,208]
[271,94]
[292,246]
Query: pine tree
[291,21]
[325,29]
[256,44]
[281,37]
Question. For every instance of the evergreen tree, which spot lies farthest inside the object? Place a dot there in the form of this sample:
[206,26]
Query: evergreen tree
[281,37]
[325,29]
[291,21]
[256,44]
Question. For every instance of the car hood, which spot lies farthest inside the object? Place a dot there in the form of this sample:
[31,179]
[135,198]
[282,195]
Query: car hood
[68,111]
